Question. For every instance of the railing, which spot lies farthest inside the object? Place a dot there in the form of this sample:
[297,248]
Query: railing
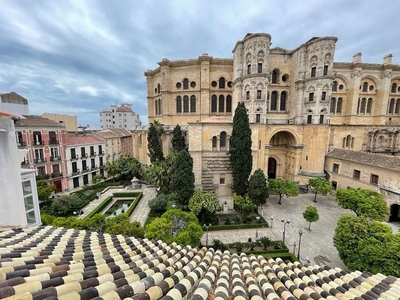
[24,163]
[74,157]
[53,142]
[56,174]
[85,170]
[52,158]
[21,144]
[93,154]
[93,168]
[40,160]
[75,172]
[39,143]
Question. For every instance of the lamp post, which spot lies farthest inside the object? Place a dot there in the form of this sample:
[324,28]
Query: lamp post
[298,250]
[258,221]
[207,226]
[284,229]
[272,221]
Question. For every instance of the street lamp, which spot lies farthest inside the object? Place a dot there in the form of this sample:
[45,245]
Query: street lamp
[258,221]
[207,226]
[284,229]
[272,221]
[298,250]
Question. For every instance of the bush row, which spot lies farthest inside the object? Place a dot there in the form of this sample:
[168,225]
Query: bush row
[236,226]
[99,208]
[135,202]
[125,195]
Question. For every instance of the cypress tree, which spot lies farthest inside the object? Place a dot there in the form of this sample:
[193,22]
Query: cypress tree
[154,141]
[240,150]
[183,177]
[178,139]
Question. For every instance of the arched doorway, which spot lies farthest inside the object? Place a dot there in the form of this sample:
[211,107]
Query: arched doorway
[271,168]
[394,213]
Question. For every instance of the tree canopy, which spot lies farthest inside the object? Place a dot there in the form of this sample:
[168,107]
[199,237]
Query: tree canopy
[363,202]
[160,172]
[240,153]
[175,226]
[183,177]
[202,203]
[258,191]
[112,168]
[319,185]
[367,245]
[154,142]
[44,190]
[283,187]
[311,215]
[245,204]
[178,139]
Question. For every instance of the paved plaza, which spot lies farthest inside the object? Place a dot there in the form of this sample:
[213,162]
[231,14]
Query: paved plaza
[316,245]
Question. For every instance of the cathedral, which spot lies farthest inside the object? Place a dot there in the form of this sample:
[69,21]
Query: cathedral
[301,104]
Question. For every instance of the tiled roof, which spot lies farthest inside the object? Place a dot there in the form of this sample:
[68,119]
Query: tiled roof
[82,140]
[121,132]
[373,159]
[57,263]
[123,109]
[37,121]
[6,114]
[107,134]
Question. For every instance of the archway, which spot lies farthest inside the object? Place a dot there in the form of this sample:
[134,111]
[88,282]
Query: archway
[394,213]
[271,168]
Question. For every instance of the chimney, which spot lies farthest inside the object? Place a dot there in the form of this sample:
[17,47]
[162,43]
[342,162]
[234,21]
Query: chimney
[357,58]
[387,59]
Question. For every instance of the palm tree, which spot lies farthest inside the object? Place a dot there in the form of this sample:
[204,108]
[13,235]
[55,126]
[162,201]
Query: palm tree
[156,174]
[112,168]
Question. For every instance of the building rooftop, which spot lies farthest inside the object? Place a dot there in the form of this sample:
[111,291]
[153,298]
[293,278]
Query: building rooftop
[82,140]
[37,121]
[58,263]
[107,134]
[373,159]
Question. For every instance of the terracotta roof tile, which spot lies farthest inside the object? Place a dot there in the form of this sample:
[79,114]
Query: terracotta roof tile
[37,121]
[50,262]
[121,132]
[82,140]
[107,134]
[373,159]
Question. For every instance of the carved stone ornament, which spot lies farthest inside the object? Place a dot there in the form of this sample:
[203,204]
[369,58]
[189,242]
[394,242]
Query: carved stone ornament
[387,74]
[356,74]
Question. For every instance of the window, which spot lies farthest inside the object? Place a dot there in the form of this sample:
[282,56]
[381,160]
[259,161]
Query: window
[222,179]
[258,94]
[73,153]
[214,83]
[323,96]
[365,87]
[369,105]
[158,88]
[362,105]
[221,103]
[54,153]
[311,97]
[39,155]
[156,106]
[214,143]
[84,165]
[249,69]
[339,106]
[309,119]
[374,179]
[222,140]
[18,135]
[391,106]
[247,95]
[214,103]
[334,86]
[52,137]
[283,101]
[100,150]
[178,85]
[334,185]
[397,107]
[325,70]
[333,104]
[258,118]
[356,174]
[222,83]
[394,88]
[83,152]
[193,84]
[335,168]
[31,202]
[185,104]
[37,138]
[193,104]
[259,68]
[275,74]
[313,71]
[228,103]
[274,100]
[321,119]
[185,84]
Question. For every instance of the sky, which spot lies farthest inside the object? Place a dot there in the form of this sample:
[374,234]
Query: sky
[79,57]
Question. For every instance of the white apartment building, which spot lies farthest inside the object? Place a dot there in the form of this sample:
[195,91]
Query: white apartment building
[119,117]
[85,159]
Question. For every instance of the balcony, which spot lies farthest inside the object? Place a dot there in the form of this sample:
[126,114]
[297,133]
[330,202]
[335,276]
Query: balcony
[53,142]
[75,172]
[74,157]
[93,154]
[93,168]
[38,143]
[55,158]
[101,166]
[101,153]
[56,174]
[42,176]
[40,160]
[21,144]
[85,170]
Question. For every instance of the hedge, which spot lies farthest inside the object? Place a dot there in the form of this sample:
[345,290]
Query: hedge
[236,226]
[99,208]
[282,255]
[126,195]
[135,202]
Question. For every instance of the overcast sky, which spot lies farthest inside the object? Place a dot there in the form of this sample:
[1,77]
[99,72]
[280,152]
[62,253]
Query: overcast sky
[78,57]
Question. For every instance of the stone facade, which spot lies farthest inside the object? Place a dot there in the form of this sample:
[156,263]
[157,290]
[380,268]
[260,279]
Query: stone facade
[301,104]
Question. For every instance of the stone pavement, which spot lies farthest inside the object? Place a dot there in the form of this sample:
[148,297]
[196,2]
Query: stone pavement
[316,245]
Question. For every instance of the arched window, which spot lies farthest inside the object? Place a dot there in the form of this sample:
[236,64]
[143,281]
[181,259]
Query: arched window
[185,84]
[334,86]
[339,106]
[222,83]
[185,104]
[214,103]
[159,106]
[369,105]
[362,105]
[192,103]
[222,140]
[140,140]
[221,103]
[274,99]
[229,104]
[394,88]
[397,107]
[275,76]
[178,104]
[348,141]
[158,88]
[156,106]
[283,101]
[214,143]
[391,106]
[365,87]
[333,105]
